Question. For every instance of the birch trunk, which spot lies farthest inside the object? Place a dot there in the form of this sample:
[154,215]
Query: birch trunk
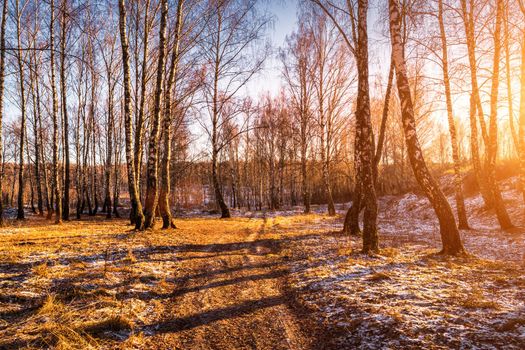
[521,127]
[458,183]
[450,237]
[136,206]
[366,151]
[351,223]
[225,211]
[109,151]
[152,192]
[20,213]
[2,77]
[36,110]
[109,63]
[303,146]
[139,128]
[94,157]
[67,167]
[56,179]
[49,204]
[164,204]
[78,155]
[492,149]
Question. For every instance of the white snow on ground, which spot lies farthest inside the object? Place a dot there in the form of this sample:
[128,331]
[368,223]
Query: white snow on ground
[411,218]
[409,298]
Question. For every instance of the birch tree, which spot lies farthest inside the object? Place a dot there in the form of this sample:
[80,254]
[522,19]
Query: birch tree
[521,127]
[298,64]
[109,59]
[233,52]
[476,110]
[20,57]
[2,80]
[164,204]
[458,182]
[54,115]
[492,146]
[137,216]
[65,118]
[450,237]
[152,193]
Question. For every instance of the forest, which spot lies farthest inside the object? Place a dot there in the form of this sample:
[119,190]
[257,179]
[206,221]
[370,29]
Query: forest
[262,174]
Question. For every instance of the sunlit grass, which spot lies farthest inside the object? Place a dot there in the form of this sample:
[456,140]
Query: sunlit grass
[83,277]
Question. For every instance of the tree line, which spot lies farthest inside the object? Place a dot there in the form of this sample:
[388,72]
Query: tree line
[146,104]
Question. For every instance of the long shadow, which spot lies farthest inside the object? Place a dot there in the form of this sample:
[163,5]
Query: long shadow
[82,285]
[143,253]
[146,296]
[14,316]
[28,305]
[16,278]
[31,241]
[17,299]
[204,318]
[36,221]
[86,284]
[183,279]
[66,288]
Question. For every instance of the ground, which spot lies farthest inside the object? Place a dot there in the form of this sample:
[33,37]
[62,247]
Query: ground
[263,281]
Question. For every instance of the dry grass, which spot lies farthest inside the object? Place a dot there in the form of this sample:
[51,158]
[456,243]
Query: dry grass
[476,300]
[88,283]
[344,251]
[51,307]
[379,276]
[66,338]
[131,257]
[41,270]
[58,325]
[96,284]
[390,252]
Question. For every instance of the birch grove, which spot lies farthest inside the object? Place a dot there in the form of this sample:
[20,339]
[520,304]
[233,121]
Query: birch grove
[148,109]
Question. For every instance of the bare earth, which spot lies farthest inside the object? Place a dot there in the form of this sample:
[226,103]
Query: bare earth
[210,284]
[276,281]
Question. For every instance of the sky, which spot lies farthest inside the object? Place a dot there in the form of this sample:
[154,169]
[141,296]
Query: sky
[286,19]
[285,12]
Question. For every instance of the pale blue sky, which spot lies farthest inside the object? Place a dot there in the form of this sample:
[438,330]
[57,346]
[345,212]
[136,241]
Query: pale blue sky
[285,12]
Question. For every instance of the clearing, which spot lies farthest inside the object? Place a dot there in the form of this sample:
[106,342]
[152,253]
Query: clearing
[279,281]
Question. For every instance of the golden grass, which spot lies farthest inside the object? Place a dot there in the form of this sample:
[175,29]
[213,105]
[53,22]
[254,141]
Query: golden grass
[473,300]
[286,253]
[59,328]
[41,270]
[51,306]
[99,261]
[379,276]
[80,267]
[346,251]
[131,257]
[69,339]
[390,252]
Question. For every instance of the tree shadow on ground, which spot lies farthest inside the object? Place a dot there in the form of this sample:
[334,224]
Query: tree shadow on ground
[207,317]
